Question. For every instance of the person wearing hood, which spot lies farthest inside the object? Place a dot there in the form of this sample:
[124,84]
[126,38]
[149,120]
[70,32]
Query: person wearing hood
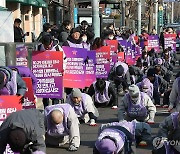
[169,131]
[46,31]
[11,83]
[119,74]
[62,126]
[121,137]
[146,86]
[74,40]
[83,106]
[136,105]
[24,131]
[26,72]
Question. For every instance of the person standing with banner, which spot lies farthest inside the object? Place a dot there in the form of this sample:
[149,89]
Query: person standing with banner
[47,45]
[83,106]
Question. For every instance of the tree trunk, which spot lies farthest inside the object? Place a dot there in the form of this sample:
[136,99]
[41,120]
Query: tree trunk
[150,25]
[71,12]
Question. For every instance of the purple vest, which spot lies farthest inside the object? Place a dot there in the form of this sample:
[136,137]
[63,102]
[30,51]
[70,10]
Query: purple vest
[86,46]
[116,134]
[80,109]
[104,97]
[136,110]
[175,120]
[11,86]
[169,149]
[74,45]
[60,129]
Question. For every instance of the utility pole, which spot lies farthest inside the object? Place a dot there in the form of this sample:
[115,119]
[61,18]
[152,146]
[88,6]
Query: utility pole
[172,12]
[156,15]
[71,12]
[95,17]
[123,12]
[139,17]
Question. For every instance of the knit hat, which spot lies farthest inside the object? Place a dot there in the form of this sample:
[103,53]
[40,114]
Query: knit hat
[106,146]
[134,90]
[74,30]
[76,93]
[145,84]
[2,82]
[119,70]
[17,139]
[158,61]
[151,72]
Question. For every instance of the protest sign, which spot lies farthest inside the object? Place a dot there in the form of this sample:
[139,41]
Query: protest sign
[129,56]
[102,62]
[153,42]
[90,68]
[120,56]
[123,44]
[47,66]
[170,41]
[8,105]
[74,75]
[21,55]
[113,51]
[29,100]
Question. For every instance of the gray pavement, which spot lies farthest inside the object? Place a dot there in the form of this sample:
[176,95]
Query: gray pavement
[89,134]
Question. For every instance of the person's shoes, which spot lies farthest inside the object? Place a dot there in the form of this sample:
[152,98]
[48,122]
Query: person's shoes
[143,143]
[158,106]
[165,106]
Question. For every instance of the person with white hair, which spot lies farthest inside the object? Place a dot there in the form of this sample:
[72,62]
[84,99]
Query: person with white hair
[136,105]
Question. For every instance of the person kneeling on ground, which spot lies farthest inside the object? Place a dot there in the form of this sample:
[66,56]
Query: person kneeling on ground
[121,137]
[83,106]
[169,135]
[24,131]
[62,126]
[104,93]
[136,105]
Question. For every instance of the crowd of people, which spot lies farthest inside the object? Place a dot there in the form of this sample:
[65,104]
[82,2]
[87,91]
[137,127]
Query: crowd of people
[141,87]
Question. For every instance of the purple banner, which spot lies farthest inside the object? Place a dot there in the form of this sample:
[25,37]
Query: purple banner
[21,55]
[47,66]
[123,43]
[74,76]
[90,68]
[129,55]
[170,41]
[103,62]
[153,42]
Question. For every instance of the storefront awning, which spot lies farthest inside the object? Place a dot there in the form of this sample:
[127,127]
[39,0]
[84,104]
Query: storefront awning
[18,1]
[41,3]
[32,2]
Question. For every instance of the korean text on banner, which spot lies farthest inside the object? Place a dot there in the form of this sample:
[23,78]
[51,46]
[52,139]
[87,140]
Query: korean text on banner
[113,50]
[8,105]
[74,75]
[21,55]
[47,66]
[170,41]
[90,68]
[29,100]
[153,42]
[103,62]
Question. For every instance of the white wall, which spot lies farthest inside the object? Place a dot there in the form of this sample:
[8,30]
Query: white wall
[6,29]
[3,3]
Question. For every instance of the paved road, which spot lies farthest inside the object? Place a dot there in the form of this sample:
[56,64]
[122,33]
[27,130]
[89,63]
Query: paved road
[89,134]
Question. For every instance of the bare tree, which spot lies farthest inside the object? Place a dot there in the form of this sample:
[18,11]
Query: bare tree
[149,13]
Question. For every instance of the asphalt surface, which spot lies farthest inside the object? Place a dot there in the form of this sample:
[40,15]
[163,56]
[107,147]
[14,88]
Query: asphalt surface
[89,133]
